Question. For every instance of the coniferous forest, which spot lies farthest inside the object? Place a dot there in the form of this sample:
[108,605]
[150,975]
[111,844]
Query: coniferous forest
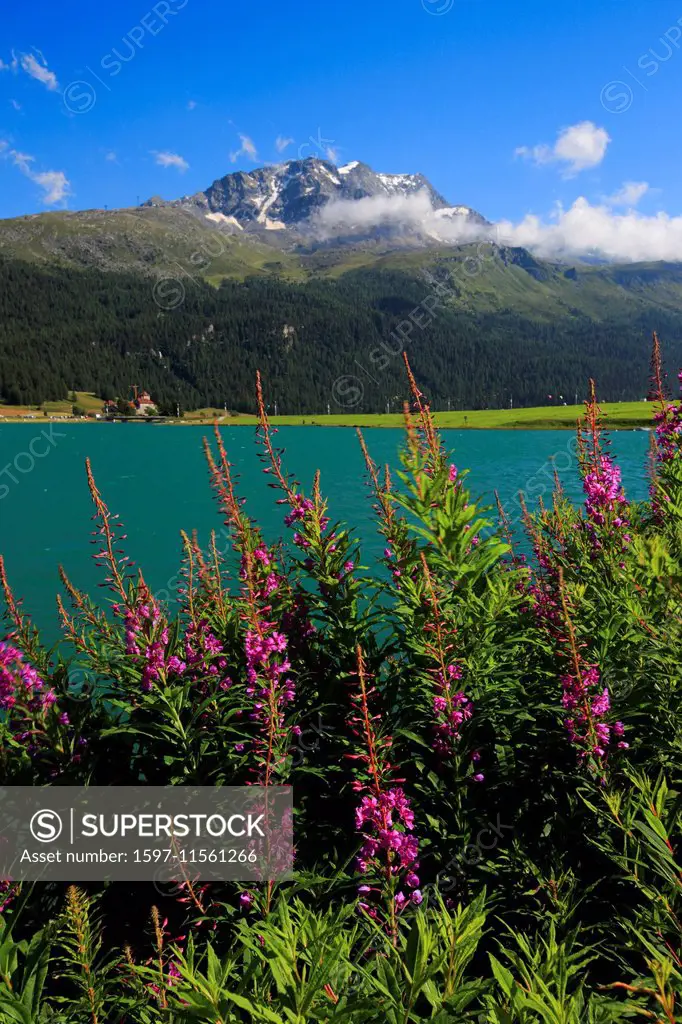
[324,342]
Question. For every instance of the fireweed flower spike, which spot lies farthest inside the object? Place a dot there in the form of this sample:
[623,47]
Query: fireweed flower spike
[605,502]
[427,439]
[108,534]
[330,556]
[384,816]
[542,586]
[130,591]
[667,438]
[269,687]
[586,701]
[30,717]
[22,629]
[306,516]
[244,532]
[269,684]
[451,708]
[400,547]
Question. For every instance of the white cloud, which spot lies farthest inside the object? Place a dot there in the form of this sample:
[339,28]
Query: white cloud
[247,149]
[629,195]
[55,185]
[191,105]
[17,106]
[111,157]
[587,229]
[331,154]
[412,212]
[583,229]
[281,143]
[577,148]
[166,159]
[39,70]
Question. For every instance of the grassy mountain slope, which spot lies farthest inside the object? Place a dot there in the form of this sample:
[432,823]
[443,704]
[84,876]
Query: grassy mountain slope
[142,240]
[162,241]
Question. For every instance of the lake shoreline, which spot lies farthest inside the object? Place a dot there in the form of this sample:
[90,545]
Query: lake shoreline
[561,427]
[368,422]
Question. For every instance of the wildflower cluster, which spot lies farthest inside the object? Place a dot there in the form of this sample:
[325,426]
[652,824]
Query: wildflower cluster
[605,503]
[588,704]
[146,639]
[384,817]
[270,687]
[25,698]
[450,711]
[668,422]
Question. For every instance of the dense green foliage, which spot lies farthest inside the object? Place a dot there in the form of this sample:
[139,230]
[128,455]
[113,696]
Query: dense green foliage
[520,722]
[333,342]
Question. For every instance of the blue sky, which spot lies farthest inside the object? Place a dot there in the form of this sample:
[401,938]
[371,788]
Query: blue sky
[472,93]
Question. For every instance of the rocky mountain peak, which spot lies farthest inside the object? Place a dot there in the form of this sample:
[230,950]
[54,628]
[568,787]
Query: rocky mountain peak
[291,195]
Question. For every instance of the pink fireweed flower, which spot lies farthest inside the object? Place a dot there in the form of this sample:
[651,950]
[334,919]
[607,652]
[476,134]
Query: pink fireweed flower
[8,892]
[25,698]
[451,707]
[20,682]
[384,817]
[450,711]
[259,567]
[588,706]
[262,554]
[301,506]
[272,690]
[605,501]
[668,420]
[604,492]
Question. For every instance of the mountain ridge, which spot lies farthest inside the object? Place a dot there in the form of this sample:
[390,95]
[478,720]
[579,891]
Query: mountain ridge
[190,306]
[291,195]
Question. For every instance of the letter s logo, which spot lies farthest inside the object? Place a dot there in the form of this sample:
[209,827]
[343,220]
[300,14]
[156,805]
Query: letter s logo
[46,826]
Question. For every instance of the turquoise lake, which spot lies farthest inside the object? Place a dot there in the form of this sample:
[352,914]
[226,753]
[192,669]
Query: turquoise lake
[156,478]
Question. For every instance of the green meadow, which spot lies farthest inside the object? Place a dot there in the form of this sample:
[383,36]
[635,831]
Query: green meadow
[627,415]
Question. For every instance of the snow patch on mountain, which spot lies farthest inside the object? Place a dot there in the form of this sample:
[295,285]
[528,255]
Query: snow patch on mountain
[220,218]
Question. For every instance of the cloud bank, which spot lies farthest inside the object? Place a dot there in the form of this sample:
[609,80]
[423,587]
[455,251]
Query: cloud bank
[597,230]
[601,229]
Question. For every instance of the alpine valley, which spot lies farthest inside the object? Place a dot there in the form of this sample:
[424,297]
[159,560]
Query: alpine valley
[321,274]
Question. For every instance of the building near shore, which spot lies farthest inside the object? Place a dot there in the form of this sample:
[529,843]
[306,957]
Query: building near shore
[138,403]
[143,403]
